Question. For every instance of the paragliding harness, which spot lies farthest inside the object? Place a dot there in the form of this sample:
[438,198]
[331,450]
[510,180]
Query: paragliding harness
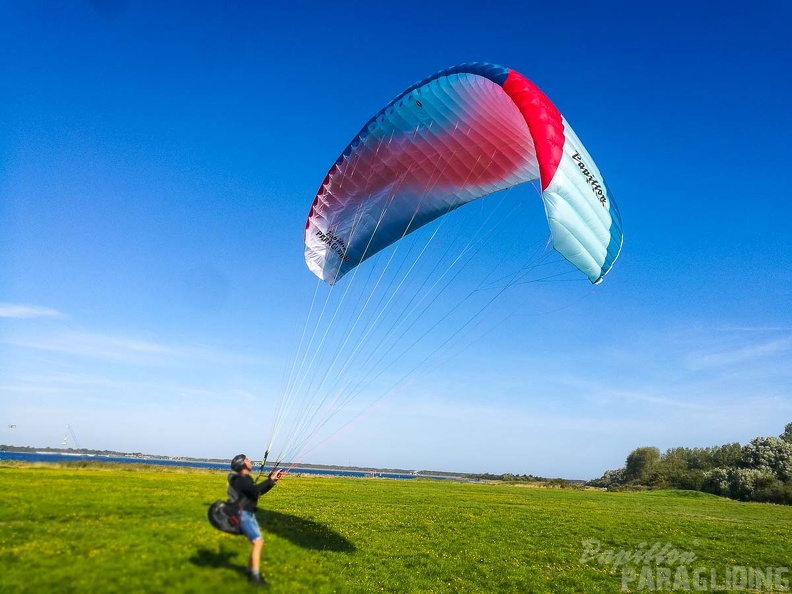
[224,515]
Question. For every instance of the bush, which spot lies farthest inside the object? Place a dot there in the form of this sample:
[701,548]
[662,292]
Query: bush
[717,482]
[559,482]
[777,492]
[746,482]
[611,478]
[758,471]
[628,488]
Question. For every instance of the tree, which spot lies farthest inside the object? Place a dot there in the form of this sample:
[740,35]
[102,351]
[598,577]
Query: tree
[769,455]
[726,456]
[787,434]
[640,462]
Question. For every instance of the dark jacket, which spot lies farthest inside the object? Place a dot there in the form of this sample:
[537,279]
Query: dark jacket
[243,491]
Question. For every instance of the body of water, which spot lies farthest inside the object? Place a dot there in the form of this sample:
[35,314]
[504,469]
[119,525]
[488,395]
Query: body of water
[60,457]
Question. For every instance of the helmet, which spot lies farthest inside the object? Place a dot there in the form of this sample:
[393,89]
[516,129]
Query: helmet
[238,462]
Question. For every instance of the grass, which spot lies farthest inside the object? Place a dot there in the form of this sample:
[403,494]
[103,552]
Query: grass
[109,528]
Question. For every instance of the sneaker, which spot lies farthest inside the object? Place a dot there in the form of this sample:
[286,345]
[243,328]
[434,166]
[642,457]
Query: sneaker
[256,579]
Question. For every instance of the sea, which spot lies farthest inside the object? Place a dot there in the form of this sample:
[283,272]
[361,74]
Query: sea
[66,457]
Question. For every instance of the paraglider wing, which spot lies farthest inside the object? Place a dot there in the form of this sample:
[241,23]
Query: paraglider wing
[459,135]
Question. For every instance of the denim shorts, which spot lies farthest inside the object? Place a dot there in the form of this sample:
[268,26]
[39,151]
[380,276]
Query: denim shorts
[249,525]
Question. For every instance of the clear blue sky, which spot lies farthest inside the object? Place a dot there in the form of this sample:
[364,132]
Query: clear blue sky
[157,165]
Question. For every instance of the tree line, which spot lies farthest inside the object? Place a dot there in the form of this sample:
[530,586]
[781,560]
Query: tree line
[758,471]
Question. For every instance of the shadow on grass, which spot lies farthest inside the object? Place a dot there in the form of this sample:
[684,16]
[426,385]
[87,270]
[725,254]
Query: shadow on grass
[216,559]
[303,533]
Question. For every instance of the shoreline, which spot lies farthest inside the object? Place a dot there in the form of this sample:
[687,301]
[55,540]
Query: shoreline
[56,457]
[187,460]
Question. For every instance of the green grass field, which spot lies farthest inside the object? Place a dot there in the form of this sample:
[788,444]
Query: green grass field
[143,529]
